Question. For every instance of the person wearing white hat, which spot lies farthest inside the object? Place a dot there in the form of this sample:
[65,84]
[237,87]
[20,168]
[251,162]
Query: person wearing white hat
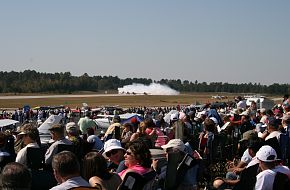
[189,180]
[115,153]
[267,157]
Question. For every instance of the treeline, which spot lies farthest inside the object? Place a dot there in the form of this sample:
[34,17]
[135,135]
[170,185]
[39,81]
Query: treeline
[31,81]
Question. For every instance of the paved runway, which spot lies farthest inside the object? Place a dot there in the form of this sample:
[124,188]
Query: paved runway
[60,96]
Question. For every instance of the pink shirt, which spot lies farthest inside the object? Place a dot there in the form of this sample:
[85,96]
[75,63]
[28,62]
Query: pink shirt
[137,168]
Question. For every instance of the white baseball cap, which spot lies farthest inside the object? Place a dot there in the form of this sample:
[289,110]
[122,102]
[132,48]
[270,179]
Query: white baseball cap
[174,143]
[266,154]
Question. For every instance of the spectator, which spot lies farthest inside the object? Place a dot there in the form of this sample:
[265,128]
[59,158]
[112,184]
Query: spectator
[15,176]
[66,169]
[85,123]
[141,134]
[264,117]
[94,140]
[114,130]
[186,180]
[57,134]
[267,157]
[96,172]
[115,153]
[30,136]
[126,133]
[137,158]
[241,104]
[272,130]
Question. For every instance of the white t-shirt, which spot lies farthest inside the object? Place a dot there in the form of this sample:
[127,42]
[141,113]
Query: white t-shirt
[246,158]
[265,180]
[254,161]
[242,104]
[274,134]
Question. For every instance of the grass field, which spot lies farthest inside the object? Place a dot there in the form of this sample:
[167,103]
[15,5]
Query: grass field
[123,101]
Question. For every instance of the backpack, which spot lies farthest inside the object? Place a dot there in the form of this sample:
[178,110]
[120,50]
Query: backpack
[133,180]
[281,182]
[285,145]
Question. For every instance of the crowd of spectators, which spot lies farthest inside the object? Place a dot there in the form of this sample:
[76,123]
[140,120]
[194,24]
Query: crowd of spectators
[216,147]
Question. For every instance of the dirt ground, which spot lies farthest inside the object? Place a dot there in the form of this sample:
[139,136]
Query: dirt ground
[122,101]
[114,100]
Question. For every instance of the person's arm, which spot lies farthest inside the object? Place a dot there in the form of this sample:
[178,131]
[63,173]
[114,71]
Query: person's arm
[231,182]
[265,134]
[51,151]
[240,167]
[95,181]
[134,136]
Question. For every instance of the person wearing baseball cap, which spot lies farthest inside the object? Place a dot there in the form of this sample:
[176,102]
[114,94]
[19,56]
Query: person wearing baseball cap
[30,136]
[189,178]
[175,145]
[267,157]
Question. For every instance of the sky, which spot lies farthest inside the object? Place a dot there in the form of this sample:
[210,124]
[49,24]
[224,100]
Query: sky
[204,40]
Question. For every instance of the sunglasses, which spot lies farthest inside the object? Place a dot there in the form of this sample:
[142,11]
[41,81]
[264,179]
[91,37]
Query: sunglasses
[112,152]
[128,153]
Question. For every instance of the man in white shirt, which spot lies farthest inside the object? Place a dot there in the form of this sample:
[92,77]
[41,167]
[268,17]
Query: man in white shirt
[267,157]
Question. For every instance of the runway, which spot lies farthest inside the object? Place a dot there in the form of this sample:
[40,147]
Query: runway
[60,96]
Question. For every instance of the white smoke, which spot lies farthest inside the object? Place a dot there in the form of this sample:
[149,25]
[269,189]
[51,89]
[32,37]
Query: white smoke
[152,89]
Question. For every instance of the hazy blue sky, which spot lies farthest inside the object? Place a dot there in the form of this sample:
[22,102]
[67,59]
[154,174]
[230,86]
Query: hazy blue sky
[209,41]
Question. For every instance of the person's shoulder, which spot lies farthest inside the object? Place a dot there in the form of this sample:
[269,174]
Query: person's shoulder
[265,173]
[115,178]
[95,180]
[58,187]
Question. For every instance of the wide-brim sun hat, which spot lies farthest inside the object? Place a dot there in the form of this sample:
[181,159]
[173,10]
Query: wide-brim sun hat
[112,144]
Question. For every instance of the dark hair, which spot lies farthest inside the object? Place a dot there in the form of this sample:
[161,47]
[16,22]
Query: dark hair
[209,125]
[90,131]
[57,129]
[88,114]
[255,144]
[129,125]
[94,164]
[273,123]
[149,122]
[141,152]
[15,176]
[65,163]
